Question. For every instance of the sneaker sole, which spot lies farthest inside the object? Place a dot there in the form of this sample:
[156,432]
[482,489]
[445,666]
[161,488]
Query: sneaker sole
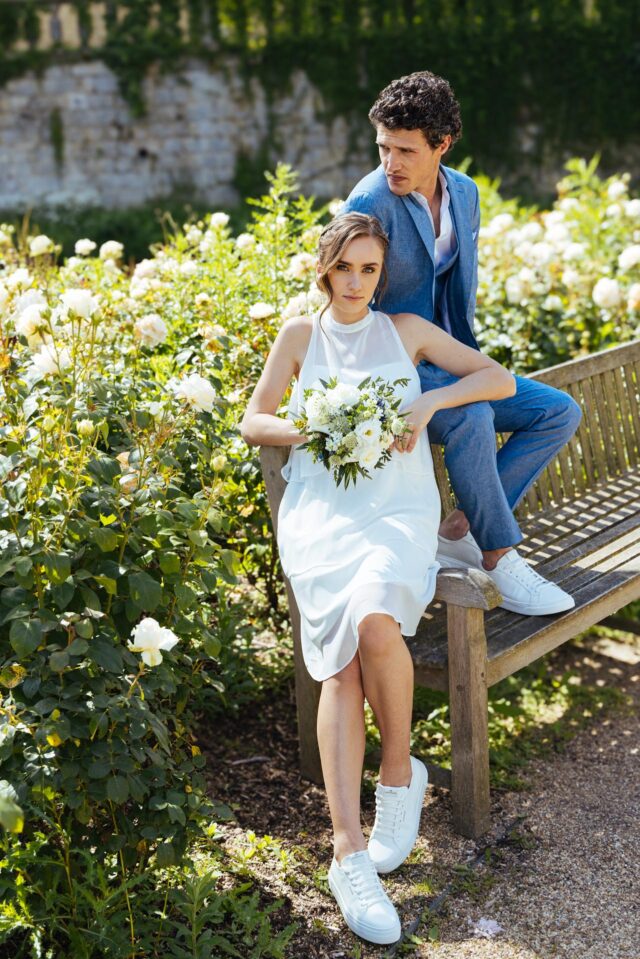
[449,562]
[379,937]
[382,870]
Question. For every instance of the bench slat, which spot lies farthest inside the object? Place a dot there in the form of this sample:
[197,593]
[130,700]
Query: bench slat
[633,386]
[584,448]
[583,367]
[625,417]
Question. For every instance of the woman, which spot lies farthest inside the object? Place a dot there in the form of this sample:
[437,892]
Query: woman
[361,560]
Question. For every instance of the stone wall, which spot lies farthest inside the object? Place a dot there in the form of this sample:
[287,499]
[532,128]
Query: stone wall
[68,137]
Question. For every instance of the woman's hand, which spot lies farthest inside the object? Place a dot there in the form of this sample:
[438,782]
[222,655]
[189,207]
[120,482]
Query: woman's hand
[417,415]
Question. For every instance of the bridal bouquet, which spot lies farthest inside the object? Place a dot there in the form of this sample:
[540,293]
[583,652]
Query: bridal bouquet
[351,428]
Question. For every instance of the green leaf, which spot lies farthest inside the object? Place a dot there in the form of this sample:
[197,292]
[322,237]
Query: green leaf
[25,636]
[145,590]
[23,565]
[105,654]
[84,628]
[169,563]
[79,646]
[11,815]
[59,661]
[108,520]
[105,539]
[117,789]
[99,769]
[109,584]
[58,567]
[165,856]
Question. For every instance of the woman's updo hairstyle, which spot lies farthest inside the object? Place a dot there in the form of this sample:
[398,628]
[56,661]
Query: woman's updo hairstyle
[334,240]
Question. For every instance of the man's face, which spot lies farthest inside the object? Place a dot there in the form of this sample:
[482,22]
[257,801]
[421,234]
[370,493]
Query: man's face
[409,163]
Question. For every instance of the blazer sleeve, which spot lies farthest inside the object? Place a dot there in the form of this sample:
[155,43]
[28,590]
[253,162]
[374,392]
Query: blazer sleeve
[365,203]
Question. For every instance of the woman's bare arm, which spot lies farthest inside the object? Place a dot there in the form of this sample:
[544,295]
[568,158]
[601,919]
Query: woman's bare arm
[260,425]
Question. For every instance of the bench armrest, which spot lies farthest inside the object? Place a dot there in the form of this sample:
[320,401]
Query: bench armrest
[467,587]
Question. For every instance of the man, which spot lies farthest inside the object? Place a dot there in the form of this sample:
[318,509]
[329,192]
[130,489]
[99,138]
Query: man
[432,216]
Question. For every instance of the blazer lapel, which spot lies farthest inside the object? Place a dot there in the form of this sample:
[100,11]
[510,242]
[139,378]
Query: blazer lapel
[460,216]
[422,224]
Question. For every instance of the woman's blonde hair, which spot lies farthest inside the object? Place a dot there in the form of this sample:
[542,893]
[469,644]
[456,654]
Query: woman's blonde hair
[336,237]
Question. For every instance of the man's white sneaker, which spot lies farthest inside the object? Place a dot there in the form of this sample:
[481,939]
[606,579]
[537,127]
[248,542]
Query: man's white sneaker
[525,591]
[366,908]
[459,553]
[397,822]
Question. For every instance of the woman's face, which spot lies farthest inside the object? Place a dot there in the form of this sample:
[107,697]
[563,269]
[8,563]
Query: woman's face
[355,277]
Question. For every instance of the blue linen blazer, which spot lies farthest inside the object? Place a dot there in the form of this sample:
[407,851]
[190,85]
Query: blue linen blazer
[410,260]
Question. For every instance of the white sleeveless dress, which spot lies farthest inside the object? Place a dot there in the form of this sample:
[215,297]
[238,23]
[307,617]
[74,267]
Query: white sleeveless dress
[369,548]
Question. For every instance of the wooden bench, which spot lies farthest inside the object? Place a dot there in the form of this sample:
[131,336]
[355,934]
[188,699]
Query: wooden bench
[581,522]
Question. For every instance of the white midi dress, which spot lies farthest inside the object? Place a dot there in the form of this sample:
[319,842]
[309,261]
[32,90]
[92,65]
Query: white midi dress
[369,548]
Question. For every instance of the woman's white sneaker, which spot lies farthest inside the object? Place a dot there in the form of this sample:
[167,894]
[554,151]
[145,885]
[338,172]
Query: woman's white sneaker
[366,908]
[397,822]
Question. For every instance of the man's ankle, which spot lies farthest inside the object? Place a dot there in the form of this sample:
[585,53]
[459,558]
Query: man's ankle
[491,557]
[454,526]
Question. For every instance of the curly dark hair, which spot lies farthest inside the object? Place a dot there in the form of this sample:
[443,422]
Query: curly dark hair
[419,101]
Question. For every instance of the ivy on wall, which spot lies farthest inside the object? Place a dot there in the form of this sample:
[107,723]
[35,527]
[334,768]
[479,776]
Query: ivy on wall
[571,68]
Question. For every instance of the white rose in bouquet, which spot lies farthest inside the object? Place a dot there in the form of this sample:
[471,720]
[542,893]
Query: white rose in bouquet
[317,412]
[343,394]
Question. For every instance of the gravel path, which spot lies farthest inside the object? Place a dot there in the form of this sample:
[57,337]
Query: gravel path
[559,872]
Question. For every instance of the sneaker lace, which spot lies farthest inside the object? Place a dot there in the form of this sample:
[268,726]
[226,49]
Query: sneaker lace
[366,883]
[526,574]
[389,810]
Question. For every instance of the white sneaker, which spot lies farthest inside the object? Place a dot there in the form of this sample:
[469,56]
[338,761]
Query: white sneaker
[395,829]
[523,590]
[459,553]
[366,908]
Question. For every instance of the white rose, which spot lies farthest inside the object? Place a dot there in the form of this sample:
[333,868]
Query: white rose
[84,247]
[260,311]
[111,250]
[29,298]
[552,303]
[245,241]
[557,234]
[501,222]
[111,266]
[606,293]
[202,299]
[188,268]
[39,245]
[85,428]
[368,456]
[29,321]
[531,231]
[575,251]
[514,290]
[19,277]
[553,217]
[335,207]
[300,265]
[570,278]
[542,253]
[614,211]
[145,268]
[568,203]
[151,329]
[343,394]
[369,431]
[629,257]
[81,301]
[317,412]
[633,297]
[149,639]
[4,296]
[193,235]
[49,360]
[218,220]
[632,209]
[616,189]
[523,250]
[197,391]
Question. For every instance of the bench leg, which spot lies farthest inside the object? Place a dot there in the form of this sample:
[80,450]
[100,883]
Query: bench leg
[469,720]
[307,699]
